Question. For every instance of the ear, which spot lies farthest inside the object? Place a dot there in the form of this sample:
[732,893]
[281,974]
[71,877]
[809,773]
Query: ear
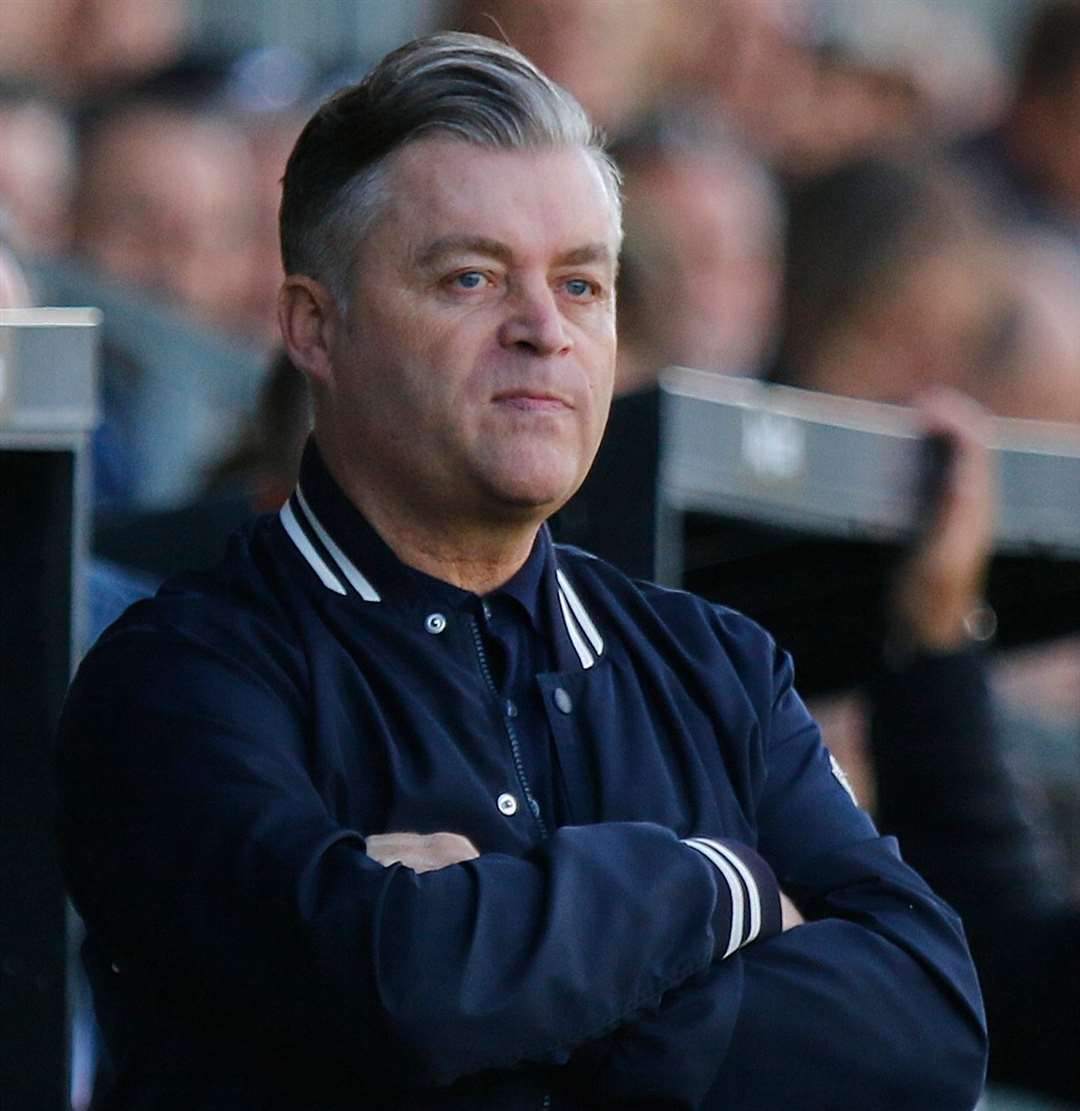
[308,316]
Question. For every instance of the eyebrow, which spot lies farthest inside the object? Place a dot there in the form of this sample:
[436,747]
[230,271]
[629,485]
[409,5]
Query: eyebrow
[463,245]
[589,253]
[494,248]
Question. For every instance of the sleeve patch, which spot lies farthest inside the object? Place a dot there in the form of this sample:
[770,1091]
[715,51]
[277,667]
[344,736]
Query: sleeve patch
[841,777]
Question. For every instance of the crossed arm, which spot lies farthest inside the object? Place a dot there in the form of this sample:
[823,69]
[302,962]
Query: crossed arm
[209,864]
[427,852]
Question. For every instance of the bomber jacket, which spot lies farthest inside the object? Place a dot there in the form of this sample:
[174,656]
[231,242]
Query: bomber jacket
[227,746]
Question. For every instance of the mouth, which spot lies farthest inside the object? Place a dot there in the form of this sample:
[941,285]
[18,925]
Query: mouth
[533,401]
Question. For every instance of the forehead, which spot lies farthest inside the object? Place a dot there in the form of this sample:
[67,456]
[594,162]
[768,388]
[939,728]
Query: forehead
[552,199]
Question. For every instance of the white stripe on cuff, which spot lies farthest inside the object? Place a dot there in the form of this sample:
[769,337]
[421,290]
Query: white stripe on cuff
[738,915]
[751,889]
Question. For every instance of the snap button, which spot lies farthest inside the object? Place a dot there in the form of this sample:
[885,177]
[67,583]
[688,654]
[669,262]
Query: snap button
[511,709]
[507,804]
[434,622]
[563,701]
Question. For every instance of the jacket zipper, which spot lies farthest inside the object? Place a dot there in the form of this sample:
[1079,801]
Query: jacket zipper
[511,732]
[515,752]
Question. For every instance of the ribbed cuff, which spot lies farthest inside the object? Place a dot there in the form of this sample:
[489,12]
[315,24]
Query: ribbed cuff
[748,896]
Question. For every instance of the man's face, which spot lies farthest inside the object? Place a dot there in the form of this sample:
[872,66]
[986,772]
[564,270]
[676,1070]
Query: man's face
[472,377]
[166,205]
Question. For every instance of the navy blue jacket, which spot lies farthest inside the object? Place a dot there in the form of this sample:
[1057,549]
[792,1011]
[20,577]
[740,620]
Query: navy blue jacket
[227,745]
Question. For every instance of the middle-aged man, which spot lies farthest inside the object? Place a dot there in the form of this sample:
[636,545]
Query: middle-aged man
[405,806]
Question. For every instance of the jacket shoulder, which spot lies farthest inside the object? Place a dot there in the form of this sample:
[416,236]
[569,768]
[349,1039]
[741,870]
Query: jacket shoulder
[238,616]
[701,628]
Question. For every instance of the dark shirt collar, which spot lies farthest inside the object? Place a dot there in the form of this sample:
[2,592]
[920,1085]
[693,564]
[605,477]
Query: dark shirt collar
[331,521]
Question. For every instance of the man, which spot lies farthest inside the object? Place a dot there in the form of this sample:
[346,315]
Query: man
[164,204]
[405,807]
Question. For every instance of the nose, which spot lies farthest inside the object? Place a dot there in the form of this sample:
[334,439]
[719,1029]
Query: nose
[534,322]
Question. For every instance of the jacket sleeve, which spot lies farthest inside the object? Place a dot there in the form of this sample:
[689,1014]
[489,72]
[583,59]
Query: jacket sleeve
[944,790]
[218,881]
[873,1003]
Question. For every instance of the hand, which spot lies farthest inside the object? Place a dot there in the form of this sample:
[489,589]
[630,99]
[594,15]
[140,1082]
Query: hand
[940,583]
[422,852]
[790,915]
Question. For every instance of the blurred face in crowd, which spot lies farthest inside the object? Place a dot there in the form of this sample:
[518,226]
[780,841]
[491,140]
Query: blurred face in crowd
[707,238]
[751,56]
[164,204]
[78,45]
[115,40]
[930,323]
[612,56]
[30,34]
[470,378]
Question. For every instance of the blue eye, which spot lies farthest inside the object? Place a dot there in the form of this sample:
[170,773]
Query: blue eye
[470,279]
[578,287]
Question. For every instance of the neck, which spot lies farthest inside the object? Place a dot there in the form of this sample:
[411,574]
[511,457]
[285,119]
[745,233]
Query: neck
[476,559]
[478,555]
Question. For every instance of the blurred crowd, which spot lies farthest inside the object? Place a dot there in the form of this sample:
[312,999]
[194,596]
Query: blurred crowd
[853,196]
[805,180]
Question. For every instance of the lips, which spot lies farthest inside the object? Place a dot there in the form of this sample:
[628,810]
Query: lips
[533,400]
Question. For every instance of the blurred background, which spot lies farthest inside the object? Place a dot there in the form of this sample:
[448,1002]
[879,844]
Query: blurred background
[872,198]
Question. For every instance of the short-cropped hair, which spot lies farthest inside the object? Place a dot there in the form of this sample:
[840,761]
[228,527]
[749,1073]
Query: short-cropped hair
[459,85]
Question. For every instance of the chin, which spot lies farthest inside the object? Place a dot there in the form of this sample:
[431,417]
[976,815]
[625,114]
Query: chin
[534,483]
[534,499]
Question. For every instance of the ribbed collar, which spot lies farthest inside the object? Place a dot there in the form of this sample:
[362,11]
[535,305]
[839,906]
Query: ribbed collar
[347,552]
[351,559]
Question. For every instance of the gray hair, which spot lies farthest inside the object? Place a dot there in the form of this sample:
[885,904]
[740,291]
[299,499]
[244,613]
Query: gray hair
[461,85]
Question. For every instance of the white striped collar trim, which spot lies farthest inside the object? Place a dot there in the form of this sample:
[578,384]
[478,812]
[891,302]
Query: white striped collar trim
[307,550]
[343,564]
[587,642]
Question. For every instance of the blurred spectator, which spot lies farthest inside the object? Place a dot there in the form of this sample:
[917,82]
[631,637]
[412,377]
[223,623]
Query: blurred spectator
[164,203]
[894,291]
[1030,163]
[894,283]
[31,34]
[37,162]
[699,286]
[897,281]
[614,57]
[107,43]
[79,47]
[702,258]
[940,56]
[753,62]
[811,84]
[256,475]
[942,750]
